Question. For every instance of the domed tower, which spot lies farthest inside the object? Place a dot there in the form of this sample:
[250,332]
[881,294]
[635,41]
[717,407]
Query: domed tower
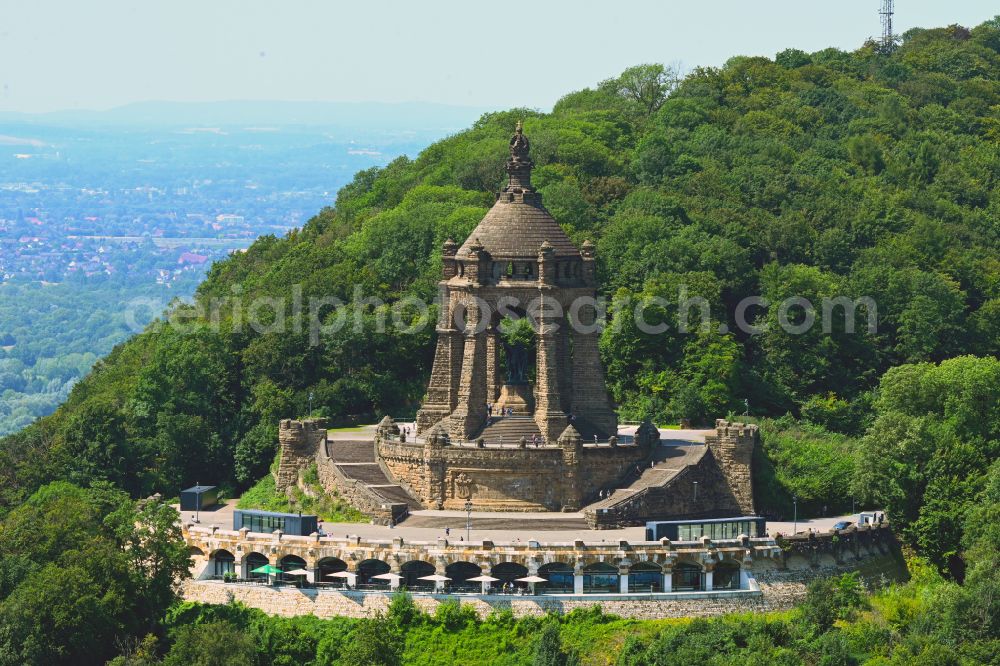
[518,263]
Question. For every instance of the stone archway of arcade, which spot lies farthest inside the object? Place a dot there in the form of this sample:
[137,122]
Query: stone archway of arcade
[686,574]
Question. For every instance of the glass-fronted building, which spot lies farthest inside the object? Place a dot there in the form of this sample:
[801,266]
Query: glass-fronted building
[268,521]
[714,528]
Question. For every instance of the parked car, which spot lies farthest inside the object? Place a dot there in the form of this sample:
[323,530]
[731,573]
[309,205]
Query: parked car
[843,525]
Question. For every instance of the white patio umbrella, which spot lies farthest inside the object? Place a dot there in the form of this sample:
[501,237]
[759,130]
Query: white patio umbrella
[339,574]
[297,572]
[438,579]
[388,576]
[393,578]
[484,579]
[346,575]
[531,580]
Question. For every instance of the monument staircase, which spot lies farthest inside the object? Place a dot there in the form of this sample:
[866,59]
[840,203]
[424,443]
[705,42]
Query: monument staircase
[355,461]
[513,428]
[672,462]
[509,430]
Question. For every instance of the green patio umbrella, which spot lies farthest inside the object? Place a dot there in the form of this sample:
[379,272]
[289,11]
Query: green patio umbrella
[267,569]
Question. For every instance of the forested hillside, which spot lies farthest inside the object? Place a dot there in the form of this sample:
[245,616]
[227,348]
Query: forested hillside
[810,175]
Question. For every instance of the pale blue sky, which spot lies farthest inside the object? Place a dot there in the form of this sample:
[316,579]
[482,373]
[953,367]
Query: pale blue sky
[64,54]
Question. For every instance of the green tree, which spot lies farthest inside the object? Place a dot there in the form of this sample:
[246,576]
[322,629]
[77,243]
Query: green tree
[549,649]
[646,85]
[375,642]
[210,644]
[926,455]
[81,567]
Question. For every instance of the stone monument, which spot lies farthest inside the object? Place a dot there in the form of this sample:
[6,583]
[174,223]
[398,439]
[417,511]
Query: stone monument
[517,263]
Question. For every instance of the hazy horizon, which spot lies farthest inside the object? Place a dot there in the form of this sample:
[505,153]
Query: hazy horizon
[56,55]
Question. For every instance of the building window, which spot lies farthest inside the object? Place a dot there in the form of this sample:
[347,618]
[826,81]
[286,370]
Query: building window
[687,578]
[263,524]
[726,576]
[601,578]
[559,576]
[224,562]
[645,577]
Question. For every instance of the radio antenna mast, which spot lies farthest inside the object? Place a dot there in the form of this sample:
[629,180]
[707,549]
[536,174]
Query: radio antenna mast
[888,41]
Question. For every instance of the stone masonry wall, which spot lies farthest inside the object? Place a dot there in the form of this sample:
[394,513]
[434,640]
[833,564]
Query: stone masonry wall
[546,478]
[732,446]
[290,602]
[298,443]
[358,495]
[677,498]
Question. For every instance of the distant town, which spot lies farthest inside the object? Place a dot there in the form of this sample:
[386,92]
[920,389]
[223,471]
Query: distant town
[93,216]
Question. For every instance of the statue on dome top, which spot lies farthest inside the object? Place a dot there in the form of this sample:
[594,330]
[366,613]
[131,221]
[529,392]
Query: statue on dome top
[519,145]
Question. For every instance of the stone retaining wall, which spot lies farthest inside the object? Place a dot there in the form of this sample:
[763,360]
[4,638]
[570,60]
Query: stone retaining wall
[559,476]
[361,497]
[675,498]
[290,601]
[778,590]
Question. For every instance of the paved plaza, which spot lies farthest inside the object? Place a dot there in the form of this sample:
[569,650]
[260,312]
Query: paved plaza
[429,525]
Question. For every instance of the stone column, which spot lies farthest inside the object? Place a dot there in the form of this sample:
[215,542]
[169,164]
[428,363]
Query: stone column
[708,579]
[590,397]
[565,368]
[440,569]
[577,583]
[470,414]
[549,416]
[744,579]
[623,581]
[493,379]
[442,390]
[668,580]
[434,468]
[572,448]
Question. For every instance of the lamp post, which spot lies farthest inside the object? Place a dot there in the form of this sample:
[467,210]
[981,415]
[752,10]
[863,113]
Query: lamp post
[310,404]
[695,490]
[468,519]
[795,503]
[197,502]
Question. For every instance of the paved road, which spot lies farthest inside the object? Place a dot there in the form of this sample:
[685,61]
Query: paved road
[431,525]
[816,524]
[352,434]
[499,527]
